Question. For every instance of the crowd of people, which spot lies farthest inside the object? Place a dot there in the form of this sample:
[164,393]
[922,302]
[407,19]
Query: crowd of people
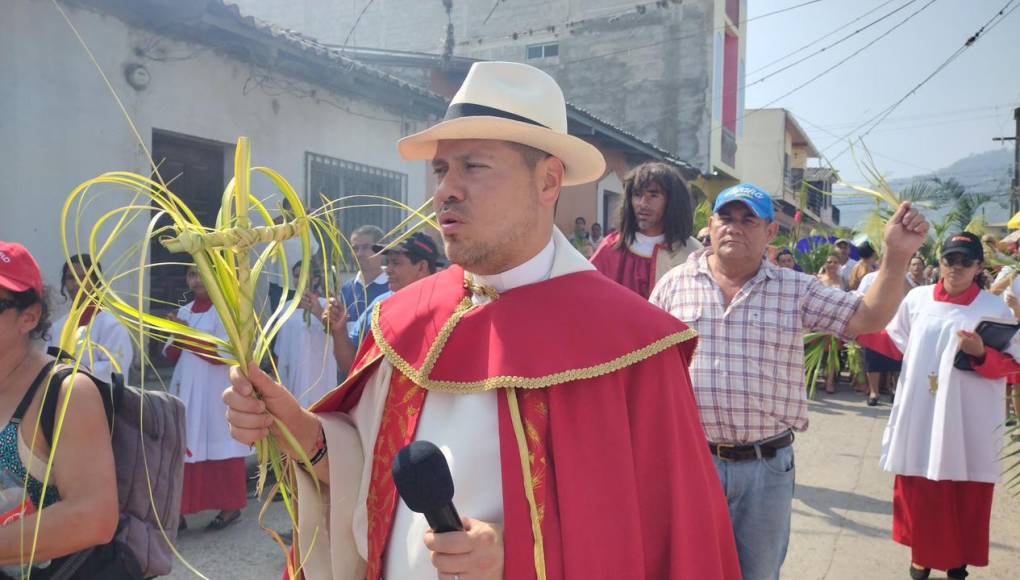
[555,431]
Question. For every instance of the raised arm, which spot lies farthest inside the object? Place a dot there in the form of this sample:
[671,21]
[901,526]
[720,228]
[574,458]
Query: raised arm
[344,348]
[904,234]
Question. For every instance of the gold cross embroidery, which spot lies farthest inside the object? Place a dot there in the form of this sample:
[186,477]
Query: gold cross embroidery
[933,383]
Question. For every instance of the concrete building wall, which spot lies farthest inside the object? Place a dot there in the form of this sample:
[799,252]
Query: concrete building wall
[60,126]
[773,139]
[650,71]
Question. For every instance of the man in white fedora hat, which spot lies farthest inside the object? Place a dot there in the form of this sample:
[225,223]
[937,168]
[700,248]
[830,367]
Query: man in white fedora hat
[573,454]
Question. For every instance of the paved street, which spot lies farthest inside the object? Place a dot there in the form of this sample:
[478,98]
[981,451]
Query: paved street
[842,516]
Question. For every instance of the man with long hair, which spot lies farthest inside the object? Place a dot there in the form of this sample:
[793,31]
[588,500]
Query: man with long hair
[653,231]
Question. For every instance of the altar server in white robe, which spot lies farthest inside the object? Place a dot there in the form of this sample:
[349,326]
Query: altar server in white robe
[944,438]
[109,348]
[304,349]
[214,468]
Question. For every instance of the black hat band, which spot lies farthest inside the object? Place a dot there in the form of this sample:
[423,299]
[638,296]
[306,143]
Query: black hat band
[460,110]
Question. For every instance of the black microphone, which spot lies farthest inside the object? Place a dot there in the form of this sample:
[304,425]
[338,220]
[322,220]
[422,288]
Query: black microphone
[424,482]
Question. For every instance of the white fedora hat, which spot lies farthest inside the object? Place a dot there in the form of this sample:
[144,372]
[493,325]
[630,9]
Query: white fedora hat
[508,101]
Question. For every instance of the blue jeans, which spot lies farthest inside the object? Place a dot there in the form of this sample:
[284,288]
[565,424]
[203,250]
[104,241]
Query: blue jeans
[760,497]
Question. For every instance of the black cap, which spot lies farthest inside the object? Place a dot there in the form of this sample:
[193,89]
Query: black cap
[866,251]
[964,243]
[417,244]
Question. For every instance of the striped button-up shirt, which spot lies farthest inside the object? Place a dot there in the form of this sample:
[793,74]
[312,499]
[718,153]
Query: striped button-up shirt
[748,372]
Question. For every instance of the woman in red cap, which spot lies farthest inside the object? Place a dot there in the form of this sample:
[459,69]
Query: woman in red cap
[80,500]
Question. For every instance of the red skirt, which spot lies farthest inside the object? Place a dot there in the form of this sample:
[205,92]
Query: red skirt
[945,523]
[214,485]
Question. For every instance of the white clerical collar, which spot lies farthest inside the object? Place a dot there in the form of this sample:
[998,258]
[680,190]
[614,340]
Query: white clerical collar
[380,279]
[534,270]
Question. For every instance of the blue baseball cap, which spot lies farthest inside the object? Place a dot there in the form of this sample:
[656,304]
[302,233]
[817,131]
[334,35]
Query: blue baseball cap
[755,198]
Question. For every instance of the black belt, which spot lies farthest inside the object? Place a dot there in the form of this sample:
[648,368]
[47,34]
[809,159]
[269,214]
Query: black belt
[747,452]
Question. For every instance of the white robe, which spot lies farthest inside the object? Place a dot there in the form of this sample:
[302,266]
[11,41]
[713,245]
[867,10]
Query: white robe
[200,384]
[108,342]
[304,354]
[339,522]
[954,431]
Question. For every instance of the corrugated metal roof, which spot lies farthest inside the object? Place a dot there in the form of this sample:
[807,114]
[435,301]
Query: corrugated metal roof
[665,155]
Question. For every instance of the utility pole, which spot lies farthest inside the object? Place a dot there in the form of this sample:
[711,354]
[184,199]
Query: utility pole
[1014,192]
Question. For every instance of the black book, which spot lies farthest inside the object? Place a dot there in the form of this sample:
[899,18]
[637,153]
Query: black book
[995,335]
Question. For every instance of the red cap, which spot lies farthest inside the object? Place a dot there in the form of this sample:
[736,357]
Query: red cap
[19,271]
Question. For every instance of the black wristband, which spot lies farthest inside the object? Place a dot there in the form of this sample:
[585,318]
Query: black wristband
[321,453]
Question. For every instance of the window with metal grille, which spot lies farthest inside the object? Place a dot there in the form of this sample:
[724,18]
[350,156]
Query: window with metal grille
[543,50]
[337,179]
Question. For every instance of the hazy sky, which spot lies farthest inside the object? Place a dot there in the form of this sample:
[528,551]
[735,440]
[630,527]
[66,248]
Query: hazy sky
[955,114]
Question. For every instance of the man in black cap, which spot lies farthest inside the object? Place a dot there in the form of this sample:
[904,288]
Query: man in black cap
[411,260]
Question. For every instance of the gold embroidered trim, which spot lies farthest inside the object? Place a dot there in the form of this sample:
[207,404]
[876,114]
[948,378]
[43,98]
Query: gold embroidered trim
[421,377]
[529,482]
[432,357]
[479,289]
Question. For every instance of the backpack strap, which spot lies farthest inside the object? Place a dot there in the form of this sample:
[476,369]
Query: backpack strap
[110,394]
[112,391]
[19,412]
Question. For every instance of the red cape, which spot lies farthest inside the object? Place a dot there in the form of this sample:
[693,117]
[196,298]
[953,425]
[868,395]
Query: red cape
[634,493]
[624,266]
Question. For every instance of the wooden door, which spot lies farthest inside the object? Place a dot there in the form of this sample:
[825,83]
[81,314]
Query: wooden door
[195,173]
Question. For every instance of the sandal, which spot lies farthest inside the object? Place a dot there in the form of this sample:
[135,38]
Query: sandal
[919,573]
[872,401]
[223,520]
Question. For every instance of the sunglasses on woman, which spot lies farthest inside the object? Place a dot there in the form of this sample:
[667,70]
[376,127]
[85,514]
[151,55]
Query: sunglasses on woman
[954,261]
[5,304]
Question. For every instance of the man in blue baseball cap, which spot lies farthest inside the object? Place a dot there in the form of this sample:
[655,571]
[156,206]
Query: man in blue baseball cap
[755,199]
[748,377]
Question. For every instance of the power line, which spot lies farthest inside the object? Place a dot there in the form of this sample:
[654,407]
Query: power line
[692,35]
[828,46]
[843,61]
[357,21]
[750,112]
[491,12]
[932,115]
[928,170]
[802,85]
[821,38]
[941,123]
[875,121]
